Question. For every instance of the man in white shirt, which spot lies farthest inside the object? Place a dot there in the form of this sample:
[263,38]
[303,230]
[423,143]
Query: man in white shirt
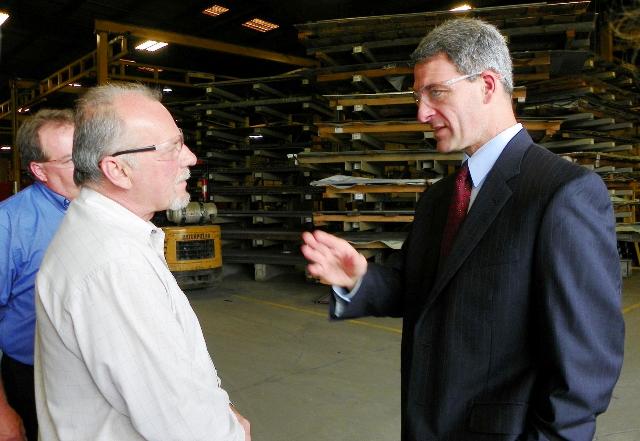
[119,353]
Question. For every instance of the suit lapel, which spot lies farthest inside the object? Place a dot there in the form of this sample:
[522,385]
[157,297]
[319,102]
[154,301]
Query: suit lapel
[493,195]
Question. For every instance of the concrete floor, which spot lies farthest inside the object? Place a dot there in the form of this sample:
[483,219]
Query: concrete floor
[297,376]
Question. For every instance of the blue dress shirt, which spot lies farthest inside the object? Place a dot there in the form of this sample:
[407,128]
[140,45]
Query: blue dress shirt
[482,161]
[480,164]
[28,221]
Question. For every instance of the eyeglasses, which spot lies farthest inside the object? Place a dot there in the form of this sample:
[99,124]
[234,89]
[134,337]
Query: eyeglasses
[437,92]
[64,162]
[169,149]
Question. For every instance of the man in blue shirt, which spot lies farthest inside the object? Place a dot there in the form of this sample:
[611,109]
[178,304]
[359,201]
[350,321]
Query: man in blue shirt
[28,221]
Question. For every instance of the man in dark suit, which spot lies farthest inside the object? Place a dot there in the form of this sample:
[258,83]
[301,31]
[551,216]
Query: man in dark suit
[509,280]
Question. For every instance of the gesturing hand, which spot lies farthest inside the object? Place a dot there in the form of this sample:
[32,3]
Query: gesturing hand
[333,260]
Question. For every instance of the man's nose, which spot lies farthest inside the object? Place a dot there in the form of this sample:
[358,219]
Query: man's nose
[188,158]
[425,112]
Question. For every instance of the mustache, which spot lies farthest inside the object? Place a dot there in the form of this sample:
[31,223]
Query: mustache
[186,174]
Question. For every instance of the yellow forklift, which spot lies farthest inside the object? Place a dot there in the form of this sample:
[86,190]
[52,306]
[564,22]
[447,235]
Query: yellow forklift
[192,246]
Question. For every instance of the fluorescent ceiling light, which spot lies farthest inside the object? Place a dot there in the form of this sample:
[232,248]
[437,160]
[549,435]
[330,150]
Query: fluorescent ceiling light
[5,147]
[151,45]
[464,7]
[215,10]
[255,136]
[3,17]
[157,46]
[74,84]
[167,89]
[260,25]
[145,45]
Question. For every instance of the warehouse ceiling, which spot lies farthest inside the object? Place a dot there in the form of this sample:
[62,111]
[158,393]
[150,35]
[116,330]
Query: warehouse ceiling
[42,36]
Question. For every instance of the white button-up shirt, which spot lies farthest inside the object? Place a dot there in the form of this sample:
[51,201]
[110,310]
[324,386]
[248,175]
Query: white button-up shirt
[119,352]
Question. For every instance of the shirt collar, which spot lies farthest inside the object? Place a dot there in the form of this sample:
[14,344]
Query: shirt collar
[56,199]
[123,219]
[483,159]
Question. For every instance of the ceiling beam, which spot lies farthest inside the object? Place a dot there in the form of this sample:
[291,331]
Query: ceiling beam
[202,43]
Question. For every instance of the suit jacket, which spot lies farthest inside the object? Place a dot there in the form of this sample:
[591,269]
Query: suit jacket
[518,333]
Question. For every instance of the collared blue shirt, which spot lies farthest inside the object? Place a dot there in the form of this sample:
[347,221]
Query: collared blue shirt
[28,221]
[480,164]
[482,161]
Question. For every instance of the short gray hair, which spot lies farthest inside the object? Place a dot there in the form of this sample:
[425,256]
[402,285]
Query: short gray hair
[99,129]
[28,136]
[472,45]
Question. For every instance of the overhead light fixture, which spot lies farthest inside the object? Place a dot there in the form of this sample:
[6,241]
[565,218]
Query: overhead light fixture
[74,84]
[167,89]
[260,25]
[143,46]
[151,45]
[215,10]
[3,17]
[464,7]
[158,45]
[255,136]
[23,110]
[5,147]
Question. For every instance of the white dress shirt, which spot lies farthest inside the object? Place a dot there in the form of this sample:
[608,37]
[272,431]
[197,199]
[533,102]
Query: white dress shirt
[119,353]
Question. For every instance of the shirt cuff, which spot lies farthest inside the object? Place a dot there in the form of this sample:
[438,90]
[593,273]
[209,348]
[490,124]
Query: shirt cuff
[343,297]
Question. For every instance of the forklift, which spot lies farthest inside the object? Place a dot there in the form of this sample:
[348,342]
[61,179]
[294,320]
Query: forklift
[192,246]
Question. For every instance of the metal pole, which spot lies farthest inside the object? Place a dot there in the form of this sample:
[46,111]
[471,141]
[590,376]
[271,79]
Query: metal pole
[102,57]
[15,154]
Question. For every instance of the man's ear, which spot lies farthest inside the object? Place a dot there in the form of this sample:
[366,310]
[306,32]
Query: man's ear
[38,171]
[116,172]
[489,85]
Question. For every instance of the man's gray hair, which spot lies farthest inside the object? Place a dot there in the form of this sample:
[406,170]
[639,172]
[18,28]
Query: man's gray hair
[472,45]
[99,129]
[28,136]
